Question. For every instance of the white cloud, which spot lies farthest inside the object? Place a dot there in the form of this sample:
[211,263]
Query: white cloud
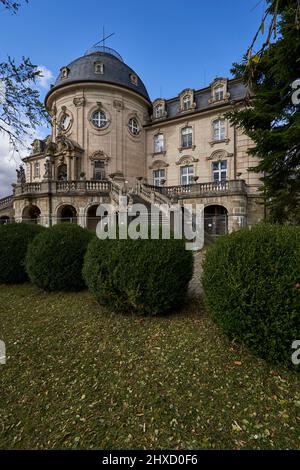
[8,164]
[10,160]
[47,77]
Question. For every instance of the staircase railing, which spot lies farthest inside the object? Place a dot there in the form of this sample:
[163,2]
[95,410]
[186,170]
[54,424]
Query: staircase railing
[152,196]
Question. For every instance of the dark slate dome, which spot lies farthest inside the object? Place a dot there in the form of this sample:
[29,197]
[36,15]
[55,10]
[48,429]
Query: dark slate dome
[115,71]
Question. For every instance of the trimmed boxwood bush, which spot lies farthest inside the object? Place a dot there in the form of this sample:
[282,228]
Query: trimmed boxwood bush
[138,276]
[54,259]
[251,281]
[14,239]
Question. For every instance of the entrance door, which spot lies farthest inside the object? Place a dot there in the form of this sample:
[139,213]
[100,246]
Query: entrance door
[215,221]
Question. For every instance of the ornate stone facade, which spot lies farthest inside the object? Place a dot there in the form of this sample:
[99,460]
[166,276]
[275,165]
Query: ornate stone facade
[107,137]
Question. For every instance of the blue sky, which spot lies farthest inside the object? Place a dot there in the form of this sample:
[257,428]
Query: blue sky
[172,45]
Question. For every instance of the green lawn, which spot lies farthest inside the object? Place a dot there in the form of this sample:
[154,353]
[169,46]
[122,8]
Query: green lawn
[79,377]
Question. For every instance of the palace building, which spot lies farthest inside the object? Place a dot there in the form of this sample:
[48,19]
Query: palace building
[108,138]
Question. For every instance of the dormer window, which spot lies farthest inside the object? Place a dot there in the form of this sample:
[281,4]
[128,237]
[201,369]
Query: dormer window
[133,79]
[99,68]
[64,72]
[187,102]
[159,109]
[219,93]
[219,90]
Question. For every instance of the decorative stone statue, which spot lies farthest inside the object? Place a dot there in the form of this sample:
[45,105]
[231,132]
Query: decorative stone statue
[48,169]
[21,178]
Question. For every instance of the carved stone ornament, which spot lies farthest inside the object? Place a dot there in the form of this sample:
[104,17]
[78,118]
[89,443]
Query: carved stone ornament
[219,155]
[99,155]
[79,101]
[158,164]
[118,105]
[186,160]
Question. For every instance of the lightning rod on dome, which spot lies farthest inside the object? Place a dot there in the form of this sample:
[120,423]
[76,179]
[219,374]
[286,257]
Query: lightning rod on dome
[101,47]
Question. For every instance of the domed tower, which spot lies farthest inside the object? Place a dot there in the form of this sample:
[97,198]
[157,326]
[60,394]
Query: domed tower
[99,105]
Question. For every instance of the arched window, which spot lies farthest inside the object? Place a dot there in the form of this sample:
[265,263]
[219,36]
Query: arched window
[159,143]
[219,130]
[186,137]
[99,119]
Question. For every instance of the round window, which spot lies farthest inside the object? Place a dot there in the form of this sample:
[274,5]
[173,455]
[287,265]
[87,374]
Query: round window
[134,126]
[99,119]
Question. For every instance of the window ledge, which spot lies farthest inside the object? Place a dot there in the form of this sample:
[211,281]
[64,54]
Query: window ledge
[163,152]
[222,141]
[191,147]
[189,110]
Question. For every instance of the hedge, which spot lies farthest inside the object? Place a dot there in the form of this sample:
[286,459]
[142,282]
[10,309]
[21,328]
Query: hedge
[14,239]
[146,277]
[251,282]
[54,259]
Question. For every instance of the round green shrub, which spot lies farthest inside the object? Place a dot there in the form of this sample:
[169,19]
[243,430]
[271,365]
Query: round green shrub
[14,239]
[146,277]
[54,259]
[251,281]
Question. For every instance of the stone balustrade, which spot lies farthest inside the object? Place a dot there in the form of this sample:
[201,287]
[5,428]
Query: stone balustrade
[57,187]
[201,189]
[6,202]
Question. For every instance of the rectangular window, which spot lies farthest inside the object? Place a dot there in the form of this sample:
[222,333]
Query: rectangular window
[187,174]
[187,137]
[99,170]
[219,130]
[219,93]
[158,177]
[159,111]
[219,170]
[159,143]
[187,102]
[37,170]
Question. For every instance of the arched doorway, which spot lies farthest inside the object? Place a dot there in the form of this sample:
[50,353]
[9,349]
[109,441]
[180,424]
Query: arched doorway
[31,214]
[215,222]
[67,213]
[4,219]
[91,218]
[62,172]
